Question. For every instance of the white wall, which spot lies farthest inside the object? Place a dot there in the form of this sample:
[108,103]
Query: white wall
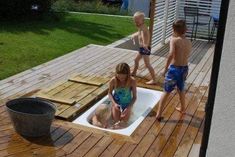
[139,5]
[222,134]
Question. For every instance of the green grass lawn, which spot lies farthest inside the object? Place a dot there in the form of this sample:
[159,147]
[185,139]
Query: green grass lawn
[26,44]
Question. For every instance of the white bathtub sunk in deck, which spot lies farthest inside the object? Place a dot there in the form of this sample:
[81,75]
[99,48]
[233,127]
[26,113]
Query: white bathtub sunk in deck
[146,101]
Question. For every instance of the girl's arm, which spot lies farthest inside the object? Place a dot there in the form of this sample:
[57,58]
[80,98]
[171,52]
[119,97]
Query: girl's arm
[134,35]
[134,91]
[111,88]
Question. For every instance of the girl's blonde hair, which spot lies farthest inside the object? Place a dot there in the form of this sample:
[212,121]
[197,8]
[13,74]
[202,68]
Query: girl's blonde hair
[102,112]
[123,68]
[139,14]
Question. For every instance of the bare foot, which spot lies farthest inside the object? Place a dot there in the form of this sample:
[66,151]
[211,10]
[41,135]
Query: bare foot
[180,110]
[159,118]
[119,125]
[133,74]
[151,82]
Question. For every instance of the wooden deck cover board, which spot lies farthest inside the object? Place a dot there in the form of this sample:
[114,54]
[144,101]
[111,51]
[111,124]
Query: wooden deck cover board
[175,136]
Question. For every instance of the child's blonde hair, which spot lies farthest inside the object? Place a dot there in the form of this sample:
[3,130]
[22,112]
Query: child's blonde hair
[123,68]
[102,112]
[179,26]
[139,14]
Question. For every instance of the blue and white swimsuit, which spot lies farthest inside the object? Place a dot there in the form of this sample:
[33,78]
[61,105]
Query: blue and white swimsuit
[122,96]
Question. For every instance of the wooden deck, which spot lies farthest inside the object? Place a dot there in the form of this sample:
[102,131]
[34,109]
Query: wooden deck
[176,135]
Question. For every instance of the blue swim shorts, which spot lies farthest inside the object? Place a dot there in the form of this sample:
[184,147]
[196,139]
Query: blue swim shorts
[144,51]
[175,77]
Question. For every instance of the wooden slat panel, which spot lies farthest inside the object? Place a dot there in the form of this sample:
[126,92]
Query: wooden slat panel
[84,103]
[89,82]
[58,100]
[60,108]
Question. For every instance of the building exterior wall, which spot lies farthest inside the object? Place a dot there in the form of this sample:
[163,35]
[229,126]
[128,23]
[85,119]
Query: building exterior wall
[222,133]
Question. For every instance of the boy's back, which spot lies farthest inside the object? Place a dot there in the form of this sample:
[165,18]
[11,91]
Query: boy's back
[182,48]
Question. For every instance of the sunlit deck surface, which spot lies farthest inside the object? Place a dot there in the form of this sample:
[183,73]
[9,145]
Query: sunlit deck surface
[176,135]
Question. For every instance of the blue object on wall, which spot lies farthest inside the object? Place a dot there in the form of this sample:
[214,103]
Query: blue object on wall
[124,5]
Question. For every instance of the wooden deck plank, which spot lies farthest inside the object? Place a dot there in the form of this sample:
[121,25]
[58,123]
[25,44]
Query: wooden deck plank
[147,140]
[199,66]
[60,65]
[138,134]
[112,149]
[48,69]
[7,132]
[16,141]
[86,146]
[136,149]
[73,109]
[185,132]
[58,74]
[76,142]
[144,139]
[196,51]
[48,151]
[156,149]
[148,131]
[92,67]
[60,108]
[71,112]
[143,144]
[166,134]
[41,68]
[120,153]
[189,136]
[24,145]
[54,90]
[195,149]
[57,99]
[65,91]
[99,147]
[84,102]
[5,127]
[89,82]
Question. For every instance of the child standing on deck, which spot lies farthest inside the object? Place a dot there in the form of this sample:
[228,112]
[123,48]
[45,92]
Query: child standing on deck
[176,68]
[122,93]
[144,42]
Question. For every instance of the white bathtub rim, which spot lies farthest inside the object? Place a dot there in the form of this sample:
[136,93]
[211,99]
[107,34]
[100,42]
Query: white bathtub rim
[82,120]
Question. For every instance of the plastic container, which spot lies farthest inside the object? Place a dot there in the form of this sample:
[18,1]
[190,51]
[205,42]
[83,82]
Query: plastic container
[31,116]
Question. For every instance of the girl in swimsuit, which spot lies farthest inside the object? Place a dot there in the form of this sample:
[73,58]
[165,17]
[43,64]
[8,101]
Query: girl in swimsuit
[122,93]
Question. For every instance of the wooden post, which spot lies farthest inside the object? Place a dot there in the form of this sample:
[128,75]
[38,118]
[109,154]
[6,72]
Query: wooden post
[177,9]
[152,12]
[165,21]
